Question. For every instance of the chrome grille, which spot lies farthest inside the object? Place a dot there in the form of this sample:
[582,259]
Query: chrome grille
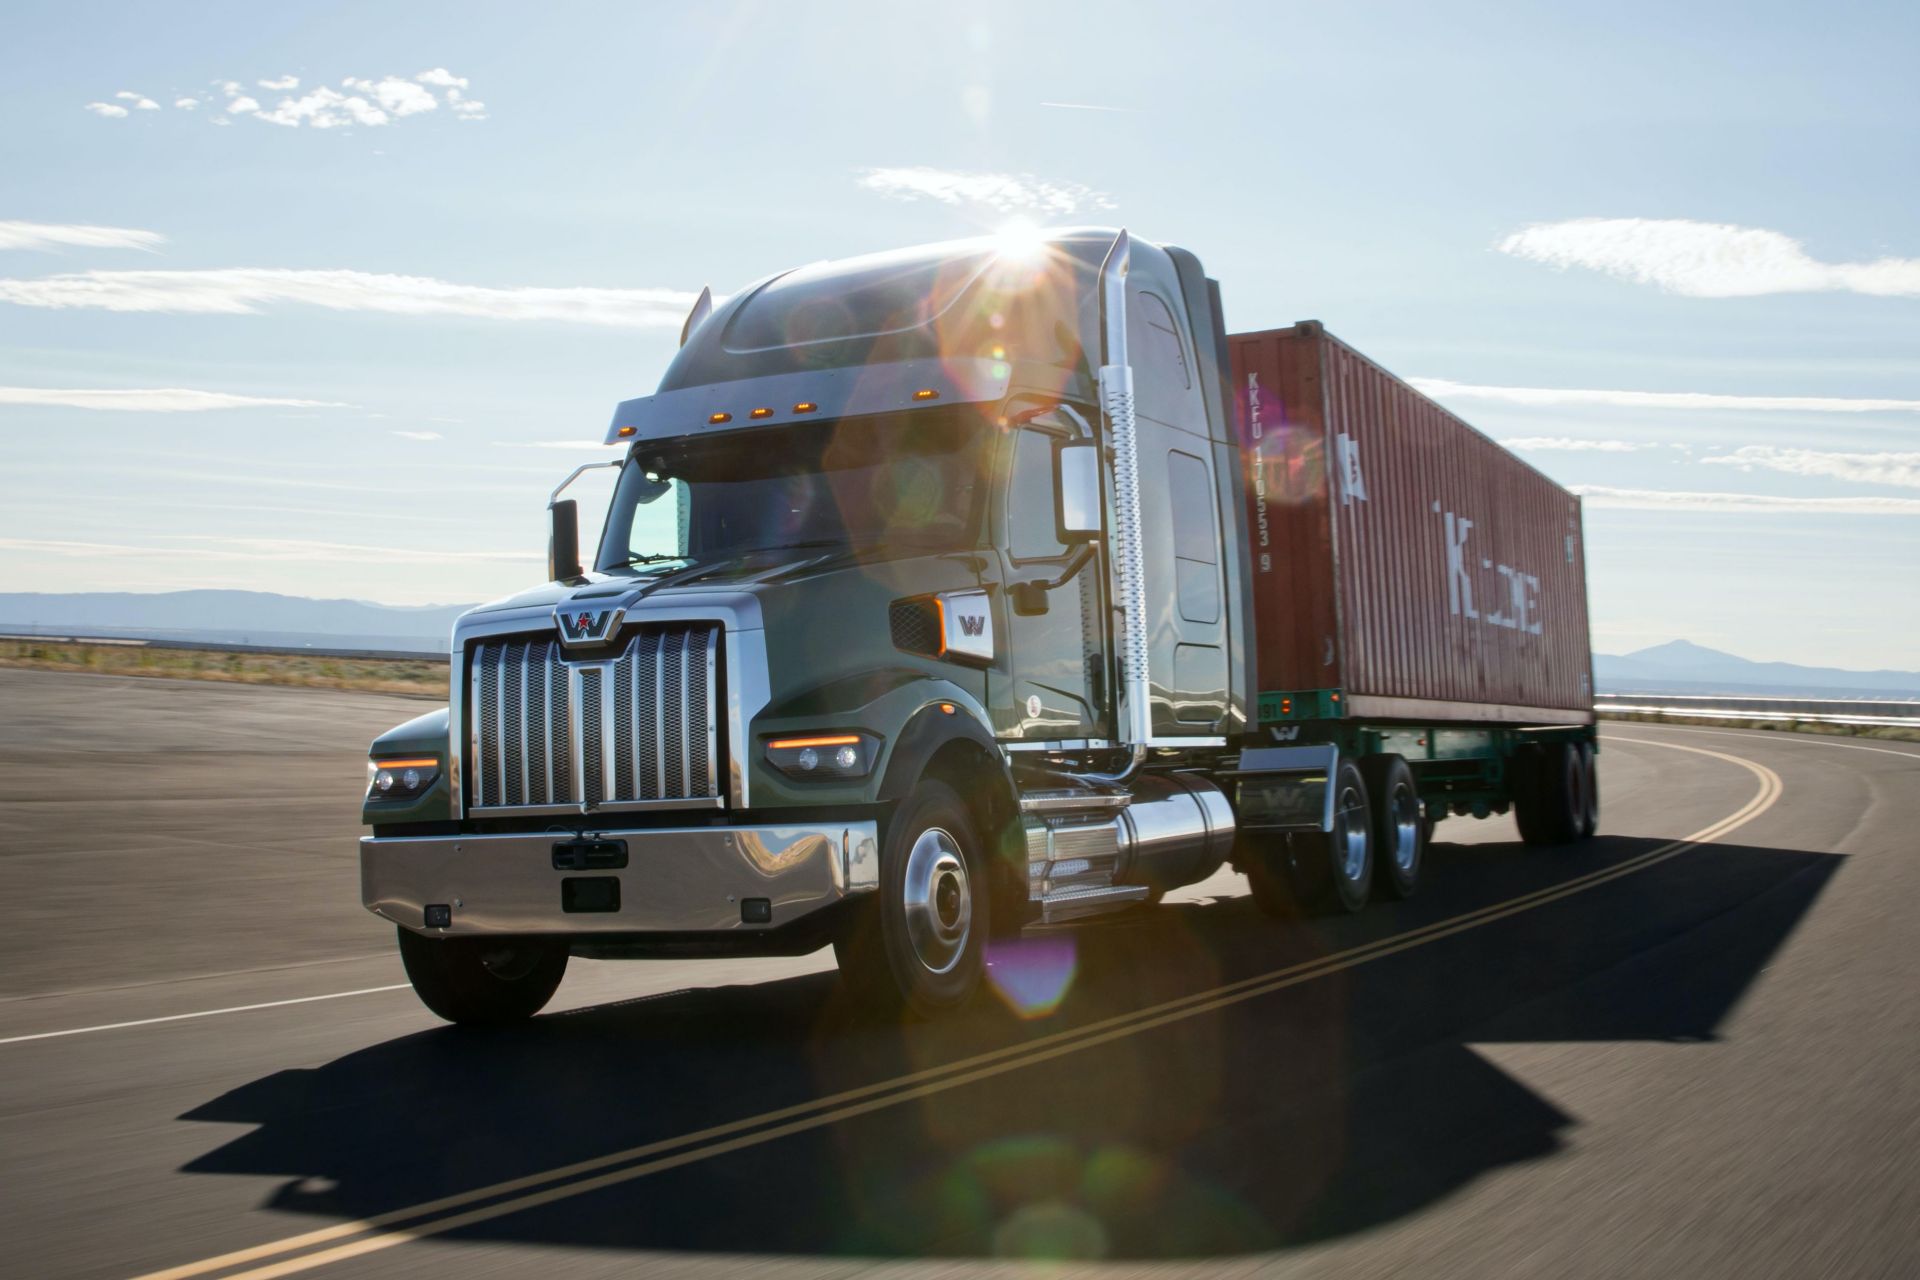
[644,726]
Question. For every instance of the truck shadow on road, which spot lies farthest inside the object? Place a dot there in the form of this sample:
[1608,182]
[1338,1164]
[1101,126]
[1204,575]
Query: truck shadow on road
[1328,1107]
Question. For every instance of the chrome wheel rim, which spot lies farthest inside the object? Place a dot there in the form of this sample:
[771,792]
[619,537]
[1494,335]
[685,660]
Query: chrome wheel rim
[1352,835]
[938,900]
[1406,829]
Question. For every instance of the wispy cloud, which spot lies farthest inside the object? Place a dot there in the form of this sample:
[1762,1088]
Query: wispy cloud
[368,101]
[1901,469]
[1442,389]
[551,444]
[245,290]
[1705,259]
[1003,192]
[1567,444]
[279,550]
[157,400]
[1082,106]
[53,235]
[418,435]
[1742,503]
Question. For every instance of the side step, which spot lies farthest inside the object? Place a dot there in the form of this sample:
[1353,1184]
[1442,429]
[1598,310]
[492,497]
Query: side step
[1068,904]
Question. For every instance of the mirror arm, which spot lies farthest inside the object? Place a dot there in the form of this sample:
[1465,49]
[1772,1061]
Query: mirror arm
[578,471]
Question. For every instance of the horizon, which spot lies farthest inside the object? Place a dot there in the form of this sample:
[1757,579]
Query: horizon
[324,301]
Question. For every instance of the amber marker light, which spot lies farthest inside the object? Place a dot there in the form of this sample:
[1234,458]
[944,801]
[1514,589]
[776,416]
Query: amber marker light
[946,708]
[761,413]
[841,740]
[805,406]
[715,419]
[926,393]
[624,432]
[426,763]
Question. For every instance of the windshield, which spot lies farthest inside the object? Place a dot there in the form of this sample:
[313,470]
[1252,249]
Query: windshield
[913,483]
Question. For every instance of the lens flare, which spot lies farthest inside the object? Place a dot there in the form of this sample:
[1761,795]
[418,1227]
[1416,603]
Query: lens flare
[1032,975]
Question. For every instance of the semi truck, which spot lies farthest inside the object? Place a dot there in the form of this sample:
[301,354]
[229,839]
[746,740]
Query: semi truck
[979,588]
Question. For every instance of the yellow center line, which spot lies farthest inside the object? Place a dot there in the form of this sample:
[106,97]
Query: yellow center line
[663,1155]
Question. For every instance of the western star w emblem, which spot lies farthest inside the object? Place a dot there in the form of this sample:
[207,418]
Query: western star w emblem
[586,626]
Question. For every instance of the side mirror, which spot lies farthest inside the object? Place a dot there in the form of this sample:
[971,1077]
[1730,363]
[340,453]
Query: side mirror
[1076,493]
[563,545]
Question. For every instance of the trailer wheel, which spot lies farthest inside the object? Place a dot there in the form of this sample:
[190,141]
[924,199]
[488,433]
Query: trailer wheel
[1549,795]
[1399,828]
[482,982]
[1333,870]
[1590,779]
[918,944]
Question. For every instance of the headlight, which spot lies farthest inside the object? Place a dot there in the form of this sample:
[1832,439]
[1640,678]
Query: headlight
[400,779]
[823,756]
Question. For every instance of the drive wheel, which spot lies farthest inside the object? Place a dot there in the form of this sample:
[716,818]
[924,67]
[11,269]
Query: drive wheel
[482,982]
[918,944]
[1333,870]
[1590,780]
[1399,829]
[1549,800]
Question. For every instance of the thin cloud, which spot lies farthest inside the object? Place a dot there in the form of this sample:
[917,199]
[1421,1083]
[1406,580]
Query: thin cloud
[1082,106]
[1705,259]
[442,78]
[1002,192]
[418,435]
[1742,503]
[368,101]
[250,549]
[1899,469]
[1442,389]
[551,444]
[157,400]
[140,101]
[246,290]
[280,85]
[1567,444]
[107,109]
[52,235]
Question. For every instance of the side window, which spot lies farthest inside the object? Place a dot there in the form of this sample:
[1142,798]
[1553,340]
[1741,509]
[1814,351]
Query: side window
[1030,531]
[1195,548]
[1162,375]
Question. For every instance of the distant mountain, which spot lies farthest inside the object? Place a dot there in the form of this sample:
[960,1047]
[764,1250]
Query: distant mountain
[232,617]
[1680,666]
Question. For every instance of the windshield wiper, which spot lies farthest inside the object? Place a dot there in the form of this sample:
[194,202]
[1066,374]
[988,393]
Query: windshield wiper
[659,558]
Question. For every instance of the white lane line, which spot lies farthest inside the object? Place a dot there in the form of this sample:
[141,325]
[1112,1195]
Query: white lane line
[204,1013]
[1811,740]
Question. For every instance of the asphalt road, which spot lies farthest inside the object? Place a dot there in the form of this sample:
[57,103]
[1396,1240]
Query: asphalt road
[1690,1047]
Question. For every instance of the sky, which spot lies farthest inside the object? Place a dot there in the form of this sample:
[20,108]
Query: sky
[324,299]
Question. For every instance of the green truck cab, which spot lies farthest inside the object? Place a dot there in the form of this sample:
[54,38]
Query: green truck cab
[923,614]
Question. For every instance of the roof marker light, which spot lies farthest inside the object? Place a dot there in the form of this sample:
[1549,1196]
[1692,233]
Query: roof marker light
[715,419]
[805,406]
[926,393]
[761,413]
[624,432]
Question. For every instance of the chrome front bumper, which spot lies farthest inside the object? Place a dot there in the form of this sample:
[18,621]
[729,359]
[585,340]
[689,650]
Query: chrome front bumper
[677,880]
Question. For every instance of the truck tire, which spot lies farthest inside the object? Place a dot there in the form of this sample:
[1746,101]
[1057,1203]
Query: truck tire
[481,982]
[1590,776]
[1399,827]
[1549,796]
[1333,870]
[918,944]
[1262,856]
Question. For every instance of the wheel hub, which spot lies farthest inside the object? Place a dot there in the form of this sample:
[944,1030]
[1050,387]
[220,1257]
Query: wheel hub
[938,900]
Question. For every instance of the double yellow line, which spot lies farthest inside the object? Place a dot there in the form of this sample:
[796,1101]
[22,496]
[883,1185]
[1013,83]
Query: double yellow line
[450,1213]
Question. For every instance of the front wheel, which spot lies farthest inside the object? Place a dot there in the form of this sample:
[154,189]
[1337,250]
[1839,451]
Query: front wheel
[482,982]
[918,944]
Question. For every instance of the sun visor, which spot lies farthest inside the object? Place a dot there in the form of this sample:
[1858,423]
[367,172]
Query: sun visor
[776,399]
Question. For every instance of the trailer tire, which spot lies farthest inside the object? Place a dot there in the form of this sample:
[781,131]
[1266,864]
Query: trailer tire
[1333,870]
[1549,798]
[482,982]
[1399,827]
[918,944]
[1590,777]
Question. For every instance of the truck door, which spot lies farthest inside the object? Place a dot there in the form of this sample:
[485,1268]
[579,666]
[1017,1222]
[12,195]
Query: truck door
[1186,584]
[1053,658]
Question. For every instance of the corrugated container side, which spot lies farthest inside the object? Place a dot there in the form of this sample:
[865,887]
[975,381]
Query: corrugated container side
[1409,561]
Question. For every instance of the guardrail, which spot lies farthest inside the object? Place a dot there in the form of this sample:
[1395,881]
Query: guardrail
[1853,711]
[211,646]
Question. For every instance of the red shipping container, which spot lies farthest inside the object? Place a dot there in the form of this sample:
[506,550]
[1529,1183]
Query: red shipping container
[1401,560]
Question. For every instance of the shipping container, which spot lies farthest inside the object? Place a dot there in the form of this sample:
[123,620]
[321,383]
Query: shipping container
[1404,565]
